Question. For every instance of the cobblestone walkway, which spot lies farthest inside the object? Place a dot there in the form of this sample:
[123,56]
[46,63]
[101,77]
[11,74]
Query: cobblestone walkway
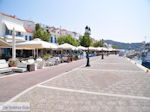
[110,85]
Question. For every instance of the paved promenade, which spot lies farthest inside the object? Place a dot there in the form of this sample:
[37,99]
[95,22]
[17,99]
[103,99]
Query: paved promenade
[110,85]
[11,85]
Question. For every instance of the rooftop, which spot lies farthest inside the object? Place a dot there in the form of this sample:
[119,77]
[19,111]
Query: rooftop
[14,16]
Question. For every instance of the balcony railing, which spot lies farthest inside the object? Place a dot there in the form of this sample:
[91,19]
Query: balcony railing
[11,35]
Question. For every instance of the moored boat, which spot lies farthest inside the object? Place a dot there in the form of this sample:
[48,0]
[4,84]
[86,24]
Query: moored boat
[146,56]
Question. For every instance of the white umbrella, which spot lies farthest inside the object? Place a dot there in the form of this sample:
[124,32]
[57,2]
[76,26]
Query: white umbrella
[99,48]
[36,44]
[81,48]
[110,49]
[66,46]
[105,49]
[92,48]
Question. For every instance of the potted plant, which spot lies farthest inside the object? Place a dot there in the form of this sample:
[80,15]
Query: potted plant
[75,57]
[47,56]
[12,63]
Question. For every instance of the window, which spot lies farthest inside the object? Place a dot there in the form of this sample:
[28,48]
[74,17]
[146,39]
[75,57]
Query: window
[55,40]
[51,39]
[26,37]
[10,32]
[30,38]
[19,33]
[7,31]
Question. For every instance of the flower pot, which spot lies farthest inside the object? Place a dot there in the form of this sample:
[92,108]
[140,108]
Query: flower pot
[12,65]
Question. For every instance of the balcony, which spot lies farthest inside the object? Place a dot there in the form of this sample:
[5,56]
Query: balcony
[9,32]
[18,37]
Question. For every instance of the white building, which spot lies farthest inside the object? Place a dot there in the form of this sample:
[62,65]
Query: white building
[56,32]
[74,34]
[24,29]
[30,29]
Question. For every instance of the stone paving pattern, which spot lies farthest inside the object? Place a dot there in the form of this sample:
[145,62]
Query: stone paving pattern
[112,75]
[49,100]
[12,85]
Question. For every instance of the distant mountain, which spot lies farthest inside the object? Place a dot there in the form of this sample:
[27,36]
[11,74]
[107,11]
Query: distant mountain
[122,45]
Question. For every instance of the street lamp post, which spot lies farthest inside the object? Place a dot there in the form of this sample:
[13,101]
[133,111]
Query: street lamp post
[87,57]
[102,50]
[88,31]
[102,54]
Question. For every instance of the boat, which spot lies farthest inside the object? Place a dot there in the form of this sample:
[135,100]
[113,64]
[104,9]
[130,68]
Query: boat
[146,55]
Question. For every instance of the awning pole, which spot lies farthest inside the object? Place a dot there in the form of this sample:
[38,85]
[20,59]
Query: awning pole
[37,53]
[13,45]
[34,53]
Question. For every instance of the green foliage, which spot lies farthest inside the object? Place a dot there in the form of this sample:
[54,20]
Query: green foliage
[98,44]
[37,27]
[43,35]
[13,62]
[114,47]
[47,56]
[75,57]
[85,40]
[67,39]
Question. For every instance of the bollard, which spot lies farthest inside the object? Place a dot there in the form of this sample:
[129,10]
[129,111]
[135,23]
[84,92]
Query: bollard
[102,56]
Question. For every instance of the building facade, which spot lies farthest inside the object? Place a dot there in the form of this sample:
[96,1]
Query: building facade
[30,29]
[24,29]
[57,32]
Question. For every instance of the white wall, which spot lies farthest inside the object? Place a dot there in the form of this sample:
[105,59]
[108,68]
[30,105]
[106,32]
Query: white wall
[10,19]
[2,26]
[26,24]
[29,25]
[27,34]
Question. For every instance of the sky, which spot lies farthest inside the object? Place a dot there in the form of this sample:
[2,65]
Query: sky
[119,20]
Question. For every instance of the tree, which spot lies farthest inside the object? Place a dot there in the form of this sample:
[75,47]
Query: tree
[114,47]
[98,44]
[37,27]
[85,40]
[40,33]
[67,39]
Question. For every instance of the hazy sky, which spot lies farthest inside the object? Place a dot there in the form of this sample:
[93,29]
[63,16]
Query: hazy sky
[120,20]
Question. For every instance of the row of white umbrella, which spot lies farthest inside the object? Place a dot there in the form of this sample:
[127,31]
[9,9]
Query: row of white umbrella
[39,44]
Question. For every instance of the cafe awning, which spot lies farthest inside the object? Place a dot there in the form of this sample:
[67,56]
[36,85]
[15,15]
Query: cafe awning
[4,44]
[11,25]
